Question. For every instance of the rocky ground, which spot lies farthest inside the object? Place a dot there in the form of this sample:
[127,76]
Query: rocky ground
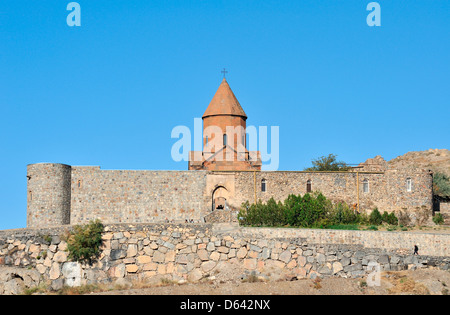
[418,282]
[437,160]
[412,282]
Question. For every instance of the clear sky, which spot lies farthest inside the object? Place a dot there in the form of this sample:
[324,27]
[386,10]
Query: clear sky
[110,92]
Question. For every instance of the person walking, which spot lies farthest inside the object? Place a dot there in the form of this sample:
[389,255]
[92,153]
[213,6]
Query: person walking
[416,250]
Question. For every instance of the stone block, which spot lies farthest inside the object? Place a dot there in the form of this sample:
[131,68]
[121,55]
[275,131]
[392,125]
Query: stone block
[132,268]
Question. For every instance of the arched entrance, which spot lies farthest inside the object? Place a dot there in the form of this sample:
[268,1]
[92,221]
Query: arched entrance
[219,198]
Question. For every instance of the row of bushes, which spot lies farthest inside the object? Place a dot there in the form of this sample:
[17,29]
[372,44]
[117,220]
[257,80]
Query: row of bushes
[310,210]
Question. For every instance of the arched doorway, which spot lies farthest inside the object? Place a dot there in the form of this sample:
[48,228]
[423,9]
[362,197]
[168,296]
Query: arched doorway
[219,198]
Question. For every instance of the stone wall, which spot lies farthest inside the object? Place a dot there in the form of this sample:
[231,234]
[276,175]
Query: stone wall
[151,252]
[61,194]
[444,209]
[48,194]
[116,196]
[387,190]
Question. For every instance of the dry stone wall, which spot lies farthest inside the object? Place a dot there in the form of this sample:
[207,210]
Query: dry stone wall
[152,252]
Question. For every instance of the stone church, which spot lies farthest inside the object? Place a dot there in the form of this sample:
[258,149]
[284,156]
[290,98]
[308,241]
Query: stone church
[218,180]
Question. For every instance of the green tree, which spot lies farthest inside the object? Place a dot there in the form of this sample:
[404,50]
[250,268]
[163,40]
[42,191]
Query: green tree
[441,185]
[84,242]
[328,163]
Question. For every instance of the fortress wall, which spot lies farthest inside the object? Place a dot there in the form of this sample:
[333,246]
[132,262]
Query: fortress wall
[387,191]
[116,196]
[48,194]
[61,194]
[192,252]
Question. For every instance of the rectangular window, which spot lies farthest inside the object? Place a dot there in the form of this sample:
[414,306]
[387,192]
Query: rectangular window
[263,185]
[408,185]
[365,186]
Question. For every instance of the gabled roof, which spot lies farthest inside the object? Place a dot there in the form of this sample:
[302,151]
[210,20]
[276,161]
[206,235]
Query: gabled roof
[224,103]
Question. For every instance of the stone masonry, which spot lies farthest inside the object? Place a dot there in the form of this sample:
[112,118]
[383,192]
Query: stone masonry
[61,194]
[191,252]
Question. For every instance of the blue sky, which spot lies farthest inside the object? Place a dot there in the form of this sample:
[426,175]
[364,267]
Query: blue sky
[110,92]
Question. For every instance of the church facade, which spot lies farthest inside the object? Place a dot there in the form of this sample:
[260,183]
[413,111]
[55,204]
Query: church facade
[219,179]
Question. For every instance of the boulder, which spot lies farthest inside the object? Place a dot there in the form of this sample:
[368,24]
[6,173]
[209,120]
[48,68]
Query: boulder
[72,274]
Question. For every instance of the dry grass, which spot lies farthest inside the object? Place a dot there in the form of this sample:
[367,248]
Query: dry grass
[316,284]
[96,288]
[252,279]
[404,285]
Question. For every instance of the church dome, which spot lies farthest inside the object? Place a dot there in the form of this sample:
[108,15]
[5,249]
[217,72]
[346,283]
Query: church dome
[224,103]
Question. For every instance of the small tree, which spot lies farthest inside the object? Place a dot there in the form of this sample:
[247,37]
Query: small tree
[342,214]
[375,217]
[328,163]
[385,217]
[85,241]
[392,219]
[441,185]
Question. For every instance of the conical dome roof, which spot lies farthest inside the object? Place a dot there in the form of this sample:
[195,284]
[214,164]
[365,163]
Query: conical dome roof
[224,103]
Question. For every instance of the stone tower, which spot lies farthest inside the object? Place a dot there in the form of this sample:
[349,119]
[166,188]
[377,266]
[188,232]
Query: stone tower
[49,194]
[224,136]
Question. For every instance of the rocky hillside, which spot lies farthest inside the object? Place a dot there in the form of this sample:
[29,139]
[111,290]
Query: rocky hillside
[437,160]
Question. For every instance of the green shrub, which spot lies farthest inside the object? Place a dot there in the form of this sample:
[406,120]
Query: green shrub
[392,219]
[375,217]
[342,214]
[276,213]
[260,214]
[385,217]
[309,210]
[292,209]
[363,218]
[438,219]
[441,184]
[84,242]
